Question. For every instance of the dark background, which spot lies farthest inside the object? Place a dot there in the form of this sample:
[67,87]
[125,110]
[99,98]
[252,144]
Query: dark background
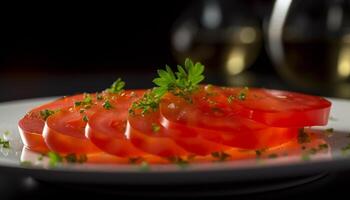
[61,49]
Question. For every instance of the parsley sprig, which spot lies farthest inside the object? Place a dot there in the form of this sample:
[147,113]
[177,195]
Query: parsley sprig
[180,83]
[117,87]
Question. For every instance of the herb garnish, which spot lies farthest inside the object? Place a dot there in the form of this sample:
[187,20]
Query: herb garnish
[329,132]
[107,105]
[85,118]
[46,113]
[54,159]
[144,166]
[221,156]
[243,94]
[181,83]
[259,152]
[117,87]
[4,143]
[178,161]
[86,102]
[155,127]
[303,137]
[230,98]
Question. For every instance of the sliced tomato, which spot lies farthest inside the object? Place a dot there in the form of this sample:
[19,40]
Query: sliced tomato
[215,125]
[157,141]
[279,108]
[64,132]
[32,124]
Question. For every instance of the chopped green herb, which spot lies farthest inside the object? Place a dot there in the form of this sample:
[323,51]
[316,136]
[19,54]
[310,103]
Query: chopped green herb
[149,102]
[73,158]
[117,87]
[7,132]
[86,102]
[345,150]
[144,166]
[259,152]
[305,156]
[273,155]
[99,97]
[178,161]
[107,105]
[221,156]
[230,98]
[54,159]
[303,137]
[85,118]
[155,127]
[323,146]
[243,94]
[26,163]
[41,157]
[134,160]
[4,143]
[46,113]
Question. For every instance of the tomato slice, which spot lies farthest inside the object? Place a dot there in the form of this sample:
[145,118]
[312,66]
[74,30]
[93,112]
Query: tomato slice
[32,124]
[279,108]
[106,128]
[215,125]
[141,132]
[64,132]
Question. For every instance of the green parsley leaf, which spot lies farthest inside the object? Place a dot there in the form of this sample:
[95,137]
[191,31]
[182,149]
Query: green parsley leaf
[4,143]
[273,155]
[107,105]
[26,163]
[155,127]
[221,156]
[149,102]
[303,137]
[178,161]
[85,118]
[117,87]
[86,102]
[54,159]
[181,83]
[243,94]
[230,98]
[46,113]
[144,166]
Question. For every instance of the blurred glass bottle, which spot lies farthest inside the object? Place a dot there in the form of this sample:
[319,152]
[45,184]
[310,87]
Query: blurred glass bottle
[309,42]
[224,35]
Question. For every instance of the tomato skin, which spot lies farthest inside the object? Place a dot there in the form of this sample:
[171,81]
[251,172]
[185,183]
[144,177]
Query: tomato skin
[64,132]
[32,125]
[279,108]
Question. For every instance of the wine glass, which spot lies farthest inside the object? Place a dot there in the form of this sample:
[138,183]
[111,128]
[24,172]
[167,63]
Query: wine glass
[222,34]
[309,43]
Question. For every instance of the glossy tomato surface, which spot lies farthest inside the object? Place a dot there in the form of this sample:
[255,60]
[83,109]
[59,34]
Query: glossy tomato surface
[32,124]
[278,108]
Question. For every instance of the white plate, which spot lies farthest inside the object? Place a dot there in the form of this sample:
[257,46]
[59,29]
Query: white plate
[230,171]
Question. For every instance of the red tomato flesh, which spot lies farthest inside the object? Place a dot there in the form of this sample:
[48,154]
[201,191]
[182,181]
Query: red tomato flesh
[32,124]
[279,108]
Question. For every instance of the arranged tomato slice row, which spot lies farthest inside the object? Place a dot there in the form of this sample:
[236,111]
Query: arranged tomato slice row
[230,130]
[278,108]
[32,124]
[213,119]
